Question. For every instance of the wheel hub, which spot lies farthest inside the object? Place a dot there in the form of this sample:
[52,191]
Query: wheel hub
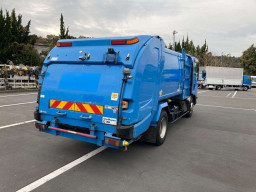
[163,127]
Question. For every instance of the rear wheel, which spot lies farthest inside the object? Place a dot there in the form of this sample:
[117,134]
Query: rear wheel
[190,110]
[218,87]
[161,128]
[245,88]
[157,134]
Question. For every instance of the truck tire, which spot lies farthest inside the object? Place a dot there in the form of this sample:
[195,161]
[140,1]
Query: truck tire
[245,88]
[190,110]
[161,128]
[157,134]
[218,87]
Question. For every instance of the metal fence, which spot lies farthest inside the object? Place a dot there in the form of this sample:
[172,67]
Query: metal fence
[18,82]
[18,76]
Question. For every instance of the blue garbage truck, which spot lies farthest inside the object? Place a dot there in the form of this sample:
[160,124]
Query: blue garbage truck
[114,91]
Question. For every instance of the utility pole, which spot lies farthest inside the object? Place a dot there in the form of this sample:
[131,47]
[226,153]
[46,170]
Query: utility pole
[221,57]
[174,32]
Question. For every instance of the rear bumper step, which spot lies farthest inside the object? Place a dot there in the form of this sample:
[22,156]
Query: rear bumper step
[72,132]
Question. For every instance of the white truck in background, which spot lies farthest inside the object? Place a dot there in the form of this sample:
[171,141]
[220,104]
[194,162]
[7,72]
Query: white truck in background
[224,77]
[253,81]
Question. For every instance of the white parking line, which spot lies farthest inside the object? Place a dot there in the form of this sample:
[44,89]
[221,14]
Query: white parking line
[203,91]
[17,104]
[217,106]
[18,95]
[228,94]
[15,124]
[61,170]
[234,94]
[226,97]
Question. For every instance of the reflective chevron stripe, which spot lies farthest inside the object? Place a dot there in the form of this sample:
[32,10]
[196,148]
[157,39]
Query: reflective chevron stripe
[73,106]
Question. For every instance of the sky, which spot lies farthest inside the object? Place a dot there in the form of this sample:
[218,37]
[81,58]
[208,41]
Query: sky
[228,26]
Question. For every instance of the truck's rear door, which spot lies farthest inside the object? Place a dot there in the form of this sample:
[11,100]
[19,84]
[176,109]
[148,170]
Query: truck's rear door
[82,91]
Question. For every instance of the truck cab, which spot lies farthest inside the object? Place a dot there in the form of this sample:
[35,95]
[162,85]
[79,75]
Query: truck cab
[247,82]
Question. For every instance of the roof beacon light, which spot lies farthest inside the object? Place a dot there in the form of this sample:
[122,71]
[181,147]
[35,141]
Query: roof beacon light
[125,41]
[64,44]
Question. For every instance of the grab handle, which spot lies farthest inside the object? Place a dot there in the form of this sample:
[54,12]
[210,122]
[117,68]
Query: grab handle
[61,113]
[86,118]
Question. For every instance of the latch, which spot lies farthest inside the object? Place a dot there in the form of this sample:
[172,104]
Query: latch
[86,56]
[42,74]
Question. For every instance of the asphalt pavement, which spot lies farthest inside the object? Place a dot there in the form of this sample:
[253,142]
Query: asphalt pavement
[213,151]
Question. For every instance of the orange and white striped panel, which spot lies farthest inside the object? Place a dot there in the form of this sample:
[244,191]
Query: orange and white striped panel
[73,106]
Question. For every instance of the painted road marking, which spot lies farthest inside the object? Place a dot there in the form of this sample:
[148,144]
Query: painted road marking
[228,94]
[18,95]
[61,170]
[203,91]
[217,106]
[15,124]
[17,104]
[226,97]
[234,94]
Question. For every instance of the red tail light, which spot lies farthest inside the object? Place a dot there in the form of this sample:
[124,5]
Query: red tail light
[118,42]
[125,41]
[113,142]
[66,44]
[124,104]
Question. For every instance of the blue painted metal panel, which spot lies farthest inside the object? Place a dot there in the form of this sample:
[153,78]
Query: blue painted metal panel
[171,76]
[142,90]
[92,84]
[142,126]
[158,113]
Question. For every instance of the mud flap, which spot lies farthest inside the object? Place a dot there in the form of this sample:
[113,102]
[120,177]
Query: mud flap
[125,132]
[150,135]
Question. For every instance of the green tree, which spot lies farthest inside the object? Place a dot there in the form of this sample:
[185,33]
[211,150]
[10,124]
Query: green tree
[14,34]
[64,33]
[200,52]
[186,45]
[6,38]
[32,39]
[25,34]
[192,48]
[248,60]
[25,54]
[178,47]
[183,43]
[170,46]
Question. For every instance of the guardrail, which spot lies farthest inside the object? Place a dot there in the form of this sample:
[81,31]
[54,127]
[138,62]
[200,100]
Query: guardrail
[15,83]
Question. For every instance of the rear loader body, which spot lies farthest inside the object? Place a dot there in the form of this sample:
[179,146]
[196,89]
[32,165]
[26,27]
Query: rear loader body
[110,91]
